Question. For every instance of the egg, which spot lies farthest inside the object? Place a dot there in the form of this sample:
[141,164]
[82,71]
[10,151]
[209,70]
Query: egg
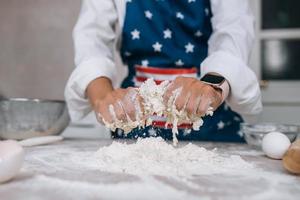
[11,159]
[275,144]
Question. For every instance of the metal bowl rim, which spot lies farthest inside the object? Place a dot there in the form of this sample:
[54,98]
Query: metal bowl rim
[32,100]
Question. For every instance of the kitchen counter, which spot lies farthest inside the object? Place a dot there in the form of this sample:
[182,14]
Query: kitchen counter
[63,171]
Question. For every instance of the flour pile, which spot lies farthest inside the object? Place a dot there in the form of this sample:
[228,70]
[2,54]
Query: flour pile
[154,156]
[152,95]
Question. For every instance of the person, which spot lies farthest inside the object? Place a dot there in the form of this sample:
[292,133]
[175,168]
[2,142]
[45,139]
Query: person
[202,46]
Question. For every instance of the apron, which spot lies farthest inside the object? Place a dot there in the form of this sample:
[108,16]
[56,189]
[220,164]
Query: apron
[163,39]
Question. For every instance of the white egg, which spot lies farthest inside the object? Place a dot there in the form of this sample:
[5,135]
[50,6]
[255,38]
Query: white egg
[11,159]
[275,144]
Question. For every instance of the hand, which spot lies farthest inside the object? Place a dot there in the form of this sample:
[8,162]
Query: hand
[195,97]
[119,105]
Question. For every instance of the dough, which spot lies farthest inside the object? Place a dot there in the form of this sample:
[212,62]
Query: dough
[152,95]
[11,159]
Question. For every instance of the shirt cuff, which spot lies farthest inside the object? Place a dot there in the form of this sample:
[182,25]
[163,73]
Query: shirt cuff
[244,96]
[75,91]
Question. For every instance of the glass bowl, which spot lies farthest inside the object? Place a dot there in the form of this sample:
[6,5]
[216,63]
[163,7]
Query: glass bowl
[254,133]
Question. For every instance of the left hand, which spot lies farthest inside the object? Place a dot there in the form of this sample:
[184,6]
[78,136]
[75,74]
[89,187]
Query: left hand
[195,96]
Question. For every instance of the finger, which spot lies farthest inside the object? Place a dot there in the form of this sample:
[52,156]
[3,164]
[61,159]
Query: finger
[138,104]
[182,99]
[119,111]
[215,97]
[104,114]
[179,82]
[217,101]
[117,105]
[172,99]
[97,113]
[103,110]
[191,106]
[169,92]
[99,118]
[203,106]
[130,104]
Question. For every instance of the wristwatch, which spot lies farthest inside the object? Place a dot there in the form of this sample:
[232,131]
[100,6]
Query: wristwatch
[218,82]
[213,80]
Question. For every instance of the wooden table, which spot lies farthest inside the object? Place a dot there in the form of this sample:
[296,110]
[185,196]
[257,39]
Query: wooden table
[60,171]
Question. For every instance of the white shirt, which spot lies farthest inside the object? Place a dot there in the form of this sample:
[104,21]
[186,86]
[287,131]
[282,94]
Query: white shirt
[97,36]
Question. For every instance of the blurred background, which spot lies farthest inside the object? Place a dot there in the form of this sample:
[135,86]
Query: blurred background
[36,52]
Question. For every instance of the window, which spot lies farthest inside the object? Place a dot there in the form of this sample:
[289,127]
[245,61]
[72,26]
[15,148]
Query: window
[280,14]
[279,40]
[276,58]
[280,59]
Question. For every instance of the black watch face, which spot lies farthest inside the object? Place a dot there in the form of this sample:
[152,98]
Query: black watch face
[213,79]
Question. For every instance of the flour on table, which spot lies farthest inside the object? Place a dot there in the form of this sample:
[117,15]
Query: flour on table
[71,169]
[154,156]
[152,95]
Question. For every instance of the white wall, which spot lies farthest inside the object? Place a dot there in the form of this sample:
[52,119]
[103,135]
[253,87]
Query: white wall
[36,50]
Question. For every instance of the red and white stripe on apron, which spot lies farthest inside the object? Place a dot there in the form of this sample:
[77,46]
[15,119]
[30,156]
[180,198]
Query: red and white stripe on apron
[159,75]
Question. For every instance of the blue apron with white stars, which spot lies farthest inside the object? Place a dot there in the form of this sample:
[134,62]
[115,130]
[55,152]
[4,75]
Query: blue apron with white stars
[164,34]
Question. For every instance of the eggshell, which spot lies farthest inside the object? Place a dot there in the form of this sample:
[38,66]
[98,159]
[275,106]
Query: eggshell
[275,144]
[11,159]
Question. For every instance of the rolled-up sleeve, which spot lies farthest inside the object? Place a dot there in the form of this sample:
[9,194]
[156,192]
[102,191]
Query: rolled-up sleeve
[94,38]
[229,50]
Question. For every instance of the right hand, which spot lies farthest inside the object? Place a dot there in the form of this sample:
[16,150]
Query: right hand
[119,104]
